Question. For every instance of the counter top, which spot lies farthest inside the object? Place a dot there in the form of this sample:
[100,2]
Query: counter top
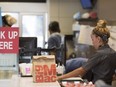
[17,81]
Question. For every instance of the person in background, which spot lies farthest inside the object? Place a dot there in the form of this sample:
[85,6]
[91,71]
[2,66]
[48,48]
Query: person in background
[8,20]
[102,62]
[55,40]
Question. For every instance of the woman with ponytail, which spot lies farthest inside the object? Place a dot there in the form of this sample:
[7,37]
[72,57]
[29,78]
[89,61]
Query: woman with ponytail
[102,62]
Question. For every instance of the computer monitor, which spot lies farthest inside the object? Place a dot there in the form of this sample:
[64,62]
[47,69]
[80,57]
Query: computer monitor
[28,44]
[28,47]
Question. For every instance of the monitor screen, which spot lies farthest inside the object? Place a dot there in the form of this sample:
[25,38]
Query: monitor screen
[87,4]
[28,43]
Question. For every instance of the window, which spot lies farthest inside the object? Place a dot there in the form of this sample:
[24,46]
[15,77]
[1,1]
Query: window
[34,26]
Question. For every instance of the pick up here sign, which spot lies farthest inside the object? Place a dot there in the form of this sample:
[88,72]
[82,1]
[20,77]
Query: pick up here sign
[9,40]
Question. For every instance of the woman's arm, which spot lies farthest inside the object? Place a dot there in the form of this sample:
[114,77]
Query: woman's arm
[77,72]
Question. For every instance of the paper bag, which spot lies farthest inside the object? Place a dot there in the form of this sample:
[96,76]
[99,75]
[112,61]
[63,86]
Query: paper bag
[44,68]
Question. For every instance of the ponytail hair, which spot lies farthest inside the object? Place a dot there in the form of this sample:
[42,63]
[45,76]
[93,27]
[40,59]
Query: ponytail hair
[102,31]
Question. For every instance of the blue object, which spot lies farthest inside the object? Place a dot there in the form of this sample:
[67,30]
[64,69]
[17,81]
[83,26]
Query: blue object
[87,4]
[0,18]
[75,63]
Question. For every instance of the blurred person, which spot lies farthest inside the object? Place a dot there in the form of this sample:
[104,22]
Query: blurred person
[8,20]
[102,62]
[55,40]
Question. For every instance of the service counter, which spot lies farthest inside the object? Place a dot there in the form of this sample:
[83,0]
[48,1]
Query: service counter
[17,81]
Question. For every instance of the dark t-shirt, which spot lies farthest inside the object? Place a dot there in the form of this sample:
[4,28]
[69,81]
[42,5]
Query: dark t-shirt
[54,41]
[100,63]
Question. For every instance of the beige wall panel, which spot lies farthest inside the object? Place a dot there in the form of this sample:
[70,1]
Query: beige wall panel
[69,7]
[54,19]
[107,9]
[66,25]
[54,6]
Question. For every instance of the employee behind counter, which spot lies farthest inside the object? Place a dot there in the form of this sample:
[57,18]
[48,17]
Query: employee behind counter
[55,40]
[102,63]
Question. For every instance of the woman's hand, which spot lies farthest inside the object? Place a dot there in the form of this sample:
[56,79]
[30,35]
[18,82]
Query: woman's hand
[114,77]
[59,78]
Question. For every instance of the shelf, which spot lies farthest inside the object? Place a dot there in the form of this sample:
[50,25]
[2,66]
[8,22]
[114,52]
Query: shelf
[91,22]
[88,20]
